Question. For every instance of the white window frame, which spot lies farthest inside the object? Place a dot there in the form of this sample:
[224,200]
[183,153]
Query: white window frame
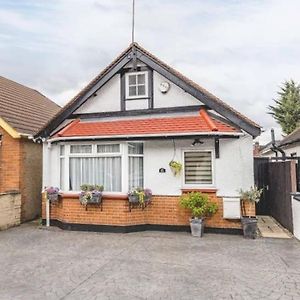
[136,155]
[127,85]
[123,153]
[204,185]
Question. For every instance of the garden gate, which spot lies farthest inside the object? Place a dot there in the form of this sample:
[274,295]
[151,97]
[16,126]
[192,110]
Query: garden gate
[279,178]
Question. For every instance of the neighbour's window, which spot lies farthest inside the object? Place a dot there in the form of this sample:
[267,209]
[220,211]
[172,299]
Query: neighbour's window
[137,85]
[136,165]
[198,168]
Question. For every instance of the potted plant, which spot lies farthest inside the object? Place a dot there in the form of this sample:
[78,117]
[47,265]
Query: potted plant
[140,196]
[175,166]
[249,223]
[200,207]
[90,194]
[52,193]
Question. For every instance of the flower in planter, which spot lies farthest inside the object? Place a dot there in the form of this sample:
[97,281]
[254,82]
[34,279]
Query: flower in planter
[175,166]
[52,193]
[90,194]
[140,195]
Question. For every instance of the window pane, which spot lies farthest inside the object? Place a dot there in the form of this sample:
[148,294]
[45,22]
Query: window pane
[136,172]
[141,90]
[62,173]
[135,148]
[132,79]
[114,148]
[81,149]
[132,90]
[198,167]
[141,79]
[104,171]
[62,150]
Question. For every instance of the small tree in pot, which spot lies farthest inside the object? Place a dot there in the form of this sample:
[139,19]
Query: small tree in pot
[249,223]
[200,207]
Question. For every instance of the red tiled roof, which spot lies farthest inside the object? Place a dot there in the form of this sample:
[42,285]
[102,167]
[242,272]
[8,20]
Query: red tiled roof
[166,125]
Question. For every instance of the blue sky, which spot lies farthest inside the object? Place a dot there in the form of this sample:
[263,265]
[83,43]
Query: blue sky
[239,50]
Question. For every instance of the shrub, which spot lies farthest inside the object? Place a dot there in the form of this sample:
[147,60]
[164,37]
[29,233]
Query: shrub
[199,204]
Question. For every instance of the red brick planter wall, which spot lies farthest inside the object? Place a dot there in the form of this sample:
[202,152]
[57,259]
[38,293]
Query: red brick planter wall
[164,210]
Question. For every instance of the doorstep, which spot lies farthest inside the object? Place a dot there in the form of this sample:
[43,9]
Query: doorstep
[270,228]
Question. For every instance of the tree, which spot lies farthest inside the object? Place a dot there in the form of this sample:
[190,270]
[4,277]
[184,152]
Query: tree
[287,109]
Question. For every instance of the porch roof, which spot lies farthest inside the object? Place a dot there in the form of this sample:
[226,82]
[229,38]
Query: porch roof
[151,126]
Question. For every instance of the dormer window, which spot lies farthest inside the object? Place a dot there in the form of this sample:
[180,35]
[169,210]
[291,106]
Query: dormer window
[136,85]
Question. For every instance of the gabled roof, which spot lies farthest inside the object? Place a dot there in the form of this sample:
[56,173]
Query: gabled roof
[24,109]
[174,76]
[200,124]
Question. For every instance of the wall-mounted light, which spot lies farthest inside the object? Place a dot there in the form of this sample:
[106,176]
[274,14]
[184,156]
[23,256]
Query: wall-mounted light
[196,142]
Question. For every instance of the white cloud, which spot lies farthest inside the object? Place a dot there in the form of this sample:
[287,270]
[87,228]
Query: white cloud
[239,50]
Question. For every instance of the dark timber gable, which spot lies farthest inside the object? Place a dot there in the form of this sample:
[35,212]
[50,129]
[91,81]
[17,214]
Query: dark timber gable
[152,63]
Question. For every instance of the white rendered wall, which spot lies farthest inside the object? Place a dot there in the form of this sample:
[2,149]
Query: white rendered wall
[174,97]
[108,98]
[232,171]
[296,217]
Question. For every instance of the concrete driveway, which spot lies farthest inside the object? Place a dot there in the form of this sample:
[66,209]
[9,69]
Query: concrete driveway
[54,264]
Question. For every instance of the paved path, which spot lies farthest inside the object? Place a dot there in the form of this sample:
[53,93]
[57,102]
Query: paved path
[55,264]
[270,228]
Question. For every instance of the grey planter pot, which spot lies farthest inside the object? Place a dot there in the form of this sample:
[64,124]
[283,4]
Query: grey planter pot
[249,227]
[52,197]
[133,198]
[197,227]
[96,199]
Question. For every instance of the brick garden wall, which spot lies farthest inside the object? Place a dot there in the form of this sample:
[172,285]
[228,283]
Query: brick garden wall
[164,210]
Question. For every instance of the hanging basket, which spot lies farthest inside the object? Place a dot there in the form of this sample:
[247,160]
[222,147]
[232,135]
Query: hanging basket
[175,167]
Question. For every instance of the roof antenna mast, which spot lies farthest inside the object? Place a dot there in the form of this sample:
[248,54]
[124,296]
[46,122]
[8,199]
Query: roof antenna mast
[134,60]
[133,12]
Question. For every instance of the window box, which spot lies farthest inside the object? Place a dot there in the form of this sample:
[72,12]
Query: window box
[94,198]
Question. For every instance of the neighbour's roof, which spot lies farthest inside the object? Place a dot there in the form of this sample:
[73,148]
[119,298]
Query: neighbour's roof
[291,138]
[23,108]
[153,126]
[207,98]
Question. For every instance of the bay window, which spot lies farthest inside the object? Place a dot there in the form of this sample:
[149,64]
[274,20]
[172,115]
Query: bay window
[102,164]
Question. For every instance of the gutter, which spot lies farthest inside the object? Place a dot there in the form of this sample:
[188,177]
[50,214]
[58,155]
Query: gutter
[213,134]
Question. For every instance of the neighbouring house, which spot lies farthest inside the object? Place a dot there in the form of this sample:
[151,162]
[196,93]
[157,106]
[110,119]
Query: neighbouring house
[23,111]
[290,144]
[123,129]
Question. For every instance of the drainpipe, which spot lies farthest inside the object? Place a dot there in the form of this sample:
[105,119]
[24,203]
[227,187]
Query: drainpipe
[47,211]
[276,148]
